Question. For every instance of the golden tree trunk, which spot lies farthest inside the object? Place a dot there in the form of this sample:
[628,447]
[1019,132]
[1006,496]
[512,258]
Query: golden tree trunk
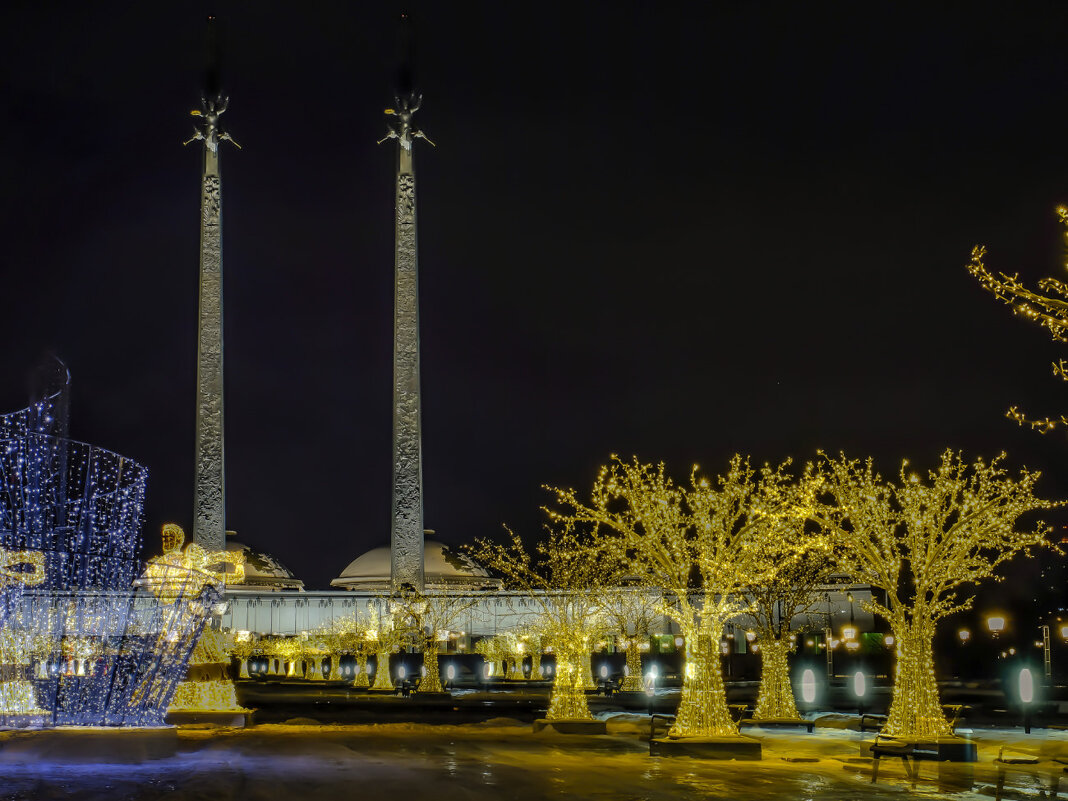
[633,682]
[776,699]
[535,665]
[915,711]
[588,682]
[568,698]
[361,672]
[382,679]
[703,708]
[335,667]
[431,682]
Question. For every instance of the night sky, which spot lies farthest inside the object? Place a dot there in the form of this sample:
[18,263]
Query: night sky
[644,230]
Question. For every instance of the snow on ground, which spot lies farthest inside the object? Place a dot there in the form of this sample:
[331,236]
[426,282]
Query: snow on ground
[503,759]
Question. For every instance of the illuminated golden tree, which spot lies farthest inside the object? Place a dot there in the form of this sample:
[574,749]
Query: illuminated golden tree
[631,612]
[383,640]
[566,579]
[789,593]
[287,650]
[1048,307]
[926,544]
[506,649]
[346,636]
[699,546]
[426,618]
[530,642]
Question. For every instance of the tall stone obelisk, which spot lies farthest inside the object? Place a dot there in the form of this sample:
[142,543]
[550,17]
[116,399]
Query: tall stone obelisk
[209,502]
[406,528]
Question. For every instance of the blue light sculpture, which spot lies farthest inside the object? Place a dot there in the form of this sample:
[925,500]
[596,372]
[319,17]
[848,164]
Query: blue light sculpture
[86,644]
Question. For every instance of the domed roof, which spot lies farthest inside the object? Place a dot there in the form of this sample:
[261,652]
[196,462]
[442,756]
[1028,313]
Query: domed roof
[262,570]
[442,566]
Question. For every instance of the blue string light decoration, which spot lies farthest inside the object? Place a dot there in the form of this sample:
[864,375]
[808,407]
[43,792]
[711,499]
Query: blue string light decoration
[83,641]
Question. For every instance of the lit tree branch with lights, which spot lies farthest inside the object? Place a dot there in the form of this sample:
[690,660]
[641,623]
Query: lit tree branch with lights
[1047,307]
[926,544]
[566,577]
[425,618]
[775,602]
[631,611]
[699,546]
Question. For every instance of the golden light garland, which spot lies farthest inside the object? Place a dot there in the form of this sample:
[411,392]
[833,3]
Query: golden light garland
[923,542]
[666,534]
[1048,307]
[425,619]
[208,687]
[803,560]
[632,612]
[567,581]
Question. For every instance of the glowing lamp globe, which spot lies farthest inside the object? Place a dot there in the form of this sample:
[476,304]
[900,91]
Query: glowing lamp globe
[860,684]
[808,686]
[1027,686]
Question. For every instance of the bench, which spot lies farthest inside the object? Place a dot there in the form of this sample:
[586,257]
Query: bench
[873,722]
[659,725]
[905,751]
[738,711]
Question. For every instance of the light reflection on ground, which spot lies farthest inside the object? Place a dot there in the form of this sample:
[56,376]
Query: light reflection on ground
[405,762]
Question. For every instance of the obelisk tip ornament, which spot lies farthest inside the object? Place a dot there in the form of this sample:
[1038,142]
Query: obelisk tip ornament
[209,503]
[406,529]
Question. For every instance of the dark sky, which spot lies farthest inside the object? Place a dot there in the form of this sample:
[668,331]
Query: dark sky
[645,229]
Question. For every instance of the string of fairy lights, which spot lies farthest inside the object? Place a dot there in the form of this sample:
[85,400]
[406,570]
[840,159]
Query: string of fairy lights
[89,636]
[82,643]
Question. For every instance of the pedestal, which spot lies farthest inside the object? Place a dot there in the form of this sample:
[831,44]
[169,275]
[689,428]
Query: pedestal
[233,718]
[739,747]
[25,720]
[572,726]
[768,723]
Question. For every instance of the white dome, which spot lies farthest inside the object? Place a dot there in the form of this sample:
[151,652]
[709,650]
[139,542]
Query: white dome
[442,566]
[263,571]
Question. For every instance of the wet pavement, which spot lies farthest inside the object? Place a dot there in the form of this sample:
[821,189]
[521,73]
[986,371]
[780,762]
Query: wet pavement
[503,759]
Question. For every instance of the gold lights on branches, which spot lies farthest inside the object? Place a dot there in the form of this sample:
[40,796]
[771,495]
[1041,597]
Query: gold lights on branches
[1047,307]
[699,546]
[925,542]
[566,578]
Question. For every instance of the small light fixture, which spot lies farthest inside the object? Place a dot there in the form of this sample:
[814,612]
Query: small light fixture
[808,686]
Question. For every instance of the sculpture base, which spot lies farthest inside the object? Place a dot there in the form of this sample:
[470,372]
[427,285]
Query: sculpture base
[92,745]
[739,747]
[572,726]
[940,749]
[768,723]
[234,718]
[25,720]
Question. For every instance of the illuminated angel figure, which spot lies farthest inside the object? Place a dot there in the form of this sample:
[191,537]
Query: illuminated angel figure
[210,129]
[186,572]
[25,568]
[402,129]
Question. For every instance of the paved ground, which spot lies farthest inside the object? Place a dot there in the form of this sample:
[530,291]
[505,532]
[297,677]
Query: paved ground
[499,760]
